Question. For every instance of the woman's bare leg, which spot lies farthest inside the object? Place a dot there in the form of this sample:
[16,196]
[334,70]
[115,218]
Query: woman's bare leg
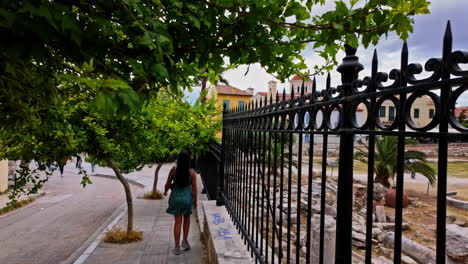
[177,226]
[186,225]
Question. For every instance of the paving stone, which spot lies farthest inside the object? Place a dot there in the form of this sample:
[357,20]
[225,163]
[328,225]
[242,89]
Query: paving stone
[158,241]
[154,259]
[158,249]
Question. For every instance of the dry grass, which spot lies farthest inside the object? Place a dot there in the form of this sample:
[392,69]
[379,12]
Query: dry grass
[16,205]
[157,195]
[121,236]
[456,169]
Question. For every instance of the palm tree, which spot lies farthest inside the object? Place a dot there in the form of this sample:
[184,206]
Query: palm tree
[385,160]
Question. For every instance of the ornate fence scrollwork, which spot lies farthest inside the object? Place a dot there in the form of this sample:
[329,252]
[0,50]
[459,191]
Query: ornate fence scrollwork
[263,147]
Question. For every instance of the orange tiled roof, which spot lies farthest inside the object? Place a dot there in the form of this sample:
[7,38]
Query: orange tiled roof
[231,90]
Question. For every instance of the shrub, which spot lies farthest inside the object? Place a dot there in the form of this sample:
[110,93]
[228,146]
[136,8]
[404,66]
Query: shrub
[121,236]
[15,205]
[157,195]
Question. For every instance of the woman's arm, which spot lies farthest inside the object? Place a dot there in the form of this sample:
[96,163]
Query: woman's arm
[169,181]
[194,188]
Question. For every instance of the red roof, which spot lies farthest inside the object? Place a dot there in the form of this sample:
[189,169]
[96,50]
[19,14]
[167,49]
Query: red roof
[262,93]
[231,90]
[298,78]
[458,110]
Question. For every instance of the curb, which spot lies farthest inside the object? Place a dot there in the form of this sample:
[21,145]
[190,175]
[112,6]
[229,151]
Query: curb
[135,182]
[457,203]
[200,215]
[78,255]
[39,195]
[36,196]
[87,248]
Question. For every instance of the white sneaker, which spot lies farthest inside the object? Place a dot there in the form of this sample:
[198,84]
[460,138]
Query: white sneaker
[185,245]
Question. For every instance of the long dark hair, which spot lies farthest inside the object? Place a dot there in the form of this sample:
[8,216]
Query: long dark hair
[182,170]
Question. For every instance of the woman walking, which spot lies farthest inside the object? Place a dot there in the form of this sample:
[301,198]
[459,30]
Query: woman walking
[183,184]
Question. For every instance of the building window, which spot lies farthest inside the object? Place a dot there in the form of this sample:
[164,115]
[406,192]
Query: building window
[226,104]
[298,89]
[382,111]
[416,113]
[431,113]
[391,113]
[241,105]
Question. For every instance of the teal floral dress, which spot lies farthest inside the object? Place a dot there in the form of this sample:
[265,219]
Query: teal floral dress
[181,199]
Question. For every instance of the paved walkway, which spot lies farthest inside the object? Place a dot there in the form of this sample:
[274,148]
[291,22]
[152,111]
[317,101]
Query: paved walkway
[151,218]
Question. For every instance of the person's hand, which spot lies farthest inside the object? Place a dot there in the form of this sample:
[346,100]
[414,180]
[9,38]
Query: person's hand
[165,193]
[195,204]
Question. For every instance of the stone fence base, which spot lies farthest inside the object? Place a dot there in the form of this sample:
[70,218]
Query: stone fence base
[223,242]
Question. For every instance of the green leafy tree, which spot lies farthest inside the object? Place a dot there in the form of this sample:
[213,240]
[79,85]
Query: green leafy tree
[46,136]
[111,136]
[122,139]
[385,160]
[179,126]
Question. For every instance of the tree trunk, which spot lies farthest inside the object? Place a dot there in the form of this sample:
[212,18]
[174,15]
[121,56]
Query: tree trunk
[156,176]
[203,87]
[382,179]
[128,194]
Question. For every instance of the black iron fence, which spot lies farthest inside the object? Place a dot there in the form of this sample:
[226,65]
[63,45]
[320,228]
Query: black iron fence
[210,166]
[289,213]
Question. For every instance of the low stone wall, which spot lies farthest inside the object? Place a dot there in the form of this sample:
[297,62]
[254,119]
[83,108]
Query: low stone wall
[456,203]
[223,243]
[456,150]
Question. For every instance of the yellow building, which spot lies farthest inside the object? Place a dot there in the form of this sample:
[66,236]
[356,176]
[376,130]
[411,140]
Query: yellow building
[230,96]
[422,111]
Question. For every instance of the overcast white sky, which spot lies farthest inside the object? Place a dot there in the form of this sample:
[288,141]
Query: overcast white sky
[424,43]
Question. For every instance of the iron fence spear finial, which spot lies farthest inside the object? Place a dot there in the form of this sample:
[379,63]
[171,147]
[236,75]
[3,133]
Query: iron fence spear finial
[349,69]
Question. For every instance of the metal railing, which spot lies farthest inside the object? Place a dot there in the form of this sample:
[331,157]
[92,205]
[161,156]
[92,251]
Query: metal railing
[210,166]
[266,160]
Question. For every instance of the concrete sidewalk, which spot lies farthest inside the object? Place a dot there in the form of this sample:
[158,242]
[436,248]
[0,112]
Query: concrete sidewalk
[157,227]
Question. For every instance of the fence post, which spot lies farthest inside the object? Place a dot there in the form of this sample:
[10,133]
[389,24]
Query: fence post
[349,69]
[219,196]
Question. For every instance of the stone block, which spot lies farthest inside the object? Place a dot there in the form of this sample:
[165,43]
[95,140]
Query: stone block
[224,245]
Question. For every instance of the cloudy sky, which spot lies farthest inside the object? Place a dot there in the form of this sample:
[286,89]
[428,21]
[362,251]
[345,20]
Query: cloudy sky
[424,43]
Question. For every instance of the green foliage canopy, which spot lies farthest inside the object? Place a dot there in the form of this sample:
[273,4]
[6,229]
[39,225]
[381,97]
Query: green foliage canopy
[146,45]
[179,125]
